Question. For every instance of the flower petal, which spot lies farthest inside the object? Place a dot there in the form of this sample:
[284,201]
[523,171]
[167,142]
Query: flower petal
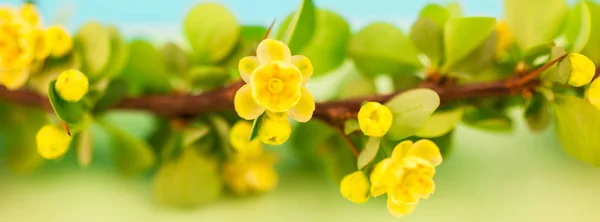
[304,65]
[401,149]
[13,79]
[427,150]
[270,49]
[399,209]
[245,106]
[246,66]
[305,107]
[381,178]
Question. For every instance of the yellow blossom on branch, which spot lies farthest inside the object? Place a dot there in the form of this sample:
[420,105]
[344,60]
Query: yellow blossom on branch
[582,70]
[355,187]
[374,119]
[275,83]
[239,139]
[72,85]
[406,176]
[274,131]
[52,141]
[593,93]
[59,40]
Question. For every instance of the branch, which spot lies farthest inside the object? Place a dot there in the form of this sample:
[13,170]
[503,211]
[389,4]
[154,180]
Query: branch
[333,112]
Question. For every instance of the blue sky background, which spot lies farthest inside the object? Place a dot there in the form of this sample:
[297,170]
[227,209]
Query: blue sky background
[161,19]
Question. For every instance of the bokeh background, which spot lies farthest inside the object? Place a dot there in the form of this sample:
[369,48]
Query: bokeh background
[515,176]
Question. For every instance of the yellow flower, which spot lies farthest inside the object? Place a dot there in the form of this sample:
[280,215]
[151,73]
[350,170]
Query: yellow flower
[72,85]
[355,187]
[504,37]
[30,14]
[582,70]
[593,93]
[374,119]
[239,138]
[275,82]
[406,176]
[60,42]
[274,132]
[52,141]
[243,176]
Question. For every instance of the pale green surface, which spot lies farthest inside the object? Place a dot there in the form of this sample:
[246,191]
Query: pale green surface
[502,177]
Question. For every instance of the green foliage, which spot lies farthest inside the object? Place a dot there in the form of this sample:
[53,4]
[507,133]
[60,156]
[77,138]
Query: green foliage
[440,123]
[368,153]
[187,181]
[300,28]
[463,37]
[488,119]
[436,13]
[94,41]
[82,144]
[375,51]
[578,27]
[537,113]
[561,71]
[145,72]
[427,35]
[212,31]
[592,48]
[17,136]
[534,27]
[256,127]
[577,124]
[132,155]
[411,111]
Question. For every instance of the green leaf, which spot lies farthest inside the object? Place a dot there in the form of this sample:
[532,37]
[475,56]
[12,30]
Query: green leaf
[177,61]
[437,13]
[577,124]
[17,136]
[119,54]
[52,68]
[189,180]
[69,112]
[440,123]
[351,126]
[94,41]
[310,151]
[536,112]
[82,143]
[462,36]
[300,28]
[328,46]
[382,48]
[132,155]
[592,48]
[454,10]
[212,31]
[561,71]
[256,127]
[221,128]
[427,35]
[488,119]
[207,77]
[368,153]
[115,91]
[532,27]
[249,38]
[145,71]
[411,111]
[354,85]
[578,27]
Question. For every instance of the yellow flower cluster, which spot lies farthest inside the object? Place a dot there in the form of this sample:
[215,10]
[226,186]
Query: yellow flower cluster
[24,44]
[275,84]
[250,169]
[406,177]
[52,141]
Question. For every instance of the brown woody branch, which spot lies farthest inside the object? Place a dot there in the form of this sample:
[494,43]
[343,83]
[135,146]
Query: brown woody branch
[333,112]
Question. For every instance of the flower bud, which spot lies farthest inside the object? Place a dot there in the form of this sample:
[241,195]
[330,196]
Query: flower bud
[274,132]
[52,141]
[59,40]
[72,85]
[593,93]
[582,70]
[355,187]
[374,119]
[239,138]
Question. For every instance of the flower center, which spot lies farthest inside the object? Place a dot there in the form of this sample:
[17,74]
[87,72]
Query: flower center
[275,85]
[374,116]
